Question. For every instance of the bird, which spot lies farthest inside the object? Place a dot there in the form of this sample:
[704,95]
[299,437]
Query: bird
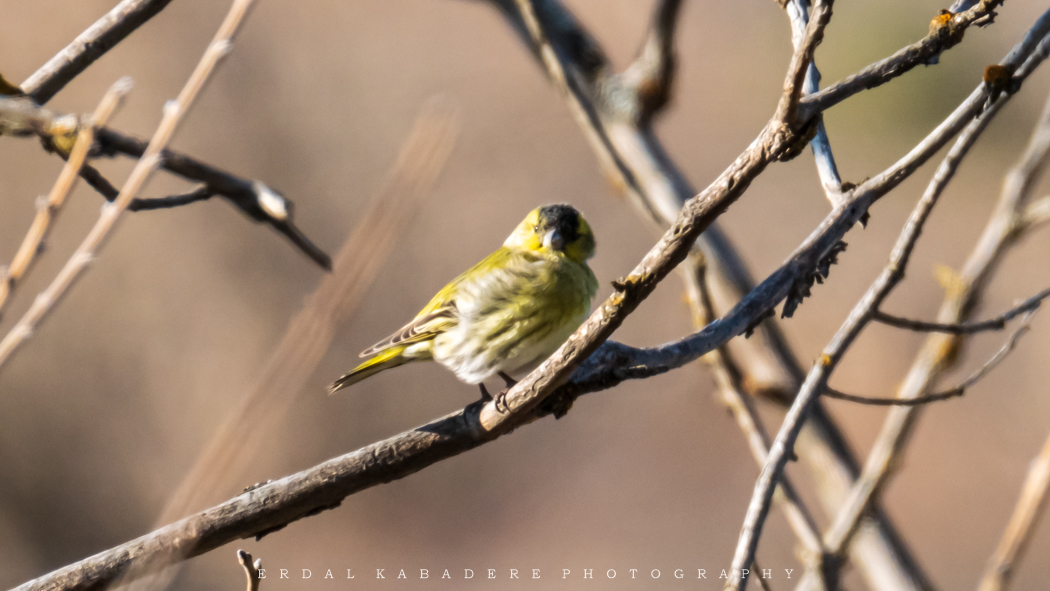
[505,315]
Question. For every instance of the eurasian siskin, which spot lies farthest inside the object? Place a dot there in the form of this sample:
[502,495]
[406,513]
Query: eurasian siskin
[506,314]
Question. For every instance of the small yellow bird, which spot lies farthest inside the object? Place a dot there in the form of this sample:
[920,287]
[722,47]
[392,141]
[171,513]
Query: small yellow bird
[506,314]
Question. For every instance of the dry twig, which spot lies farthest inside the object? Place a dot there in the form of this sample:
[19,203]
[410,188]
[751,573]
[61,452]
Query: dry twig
[952,392]
[85,253]
[19,116]
[997,323]
[48,208]
[939,351]
[1018,532]
[251,569]
[816,381]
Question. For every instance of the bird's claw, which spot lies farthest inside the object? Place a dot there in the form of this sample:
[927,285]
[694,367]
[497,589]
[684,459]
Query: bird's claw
[501,400]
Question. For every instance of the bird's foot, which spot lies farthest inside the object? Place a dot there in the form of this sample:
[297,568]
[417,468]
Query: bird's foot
[501,401]
[509,381]
[501,398]
[485,396]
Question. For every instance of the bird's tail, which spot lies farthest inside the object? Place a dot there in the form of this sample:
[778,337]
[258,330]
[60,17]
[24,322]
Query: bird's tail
[392,357]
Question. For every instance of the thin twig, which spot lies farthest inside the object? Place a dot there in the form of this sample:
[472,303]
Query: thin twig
[953,392]
[101,184]
[1018,532]
[90,45]
[251,569]
[798,13]
[85,253]
[997,323]
[816,381]
[944,34]
[47,209]
[19,116]
[939,351]
[149,203]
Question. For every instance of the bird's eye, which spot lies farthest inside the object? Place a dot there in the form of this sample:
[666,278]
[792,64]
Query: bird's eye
[536,229]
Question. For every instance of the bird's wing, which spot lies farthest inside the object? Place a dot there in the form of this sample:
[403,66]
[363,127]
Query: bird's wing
[441,313]
[423,328]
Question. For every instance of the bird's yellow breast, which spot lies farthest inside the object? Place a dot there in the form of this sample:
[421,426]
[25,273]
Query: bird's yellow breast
[514,314]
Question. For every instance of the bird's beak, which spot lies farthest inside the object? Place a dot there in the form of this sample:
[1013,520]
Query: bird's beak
[552,239]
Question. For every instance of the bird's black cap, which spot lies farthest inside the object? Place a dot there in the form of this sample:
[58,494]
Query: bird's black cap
[563,218]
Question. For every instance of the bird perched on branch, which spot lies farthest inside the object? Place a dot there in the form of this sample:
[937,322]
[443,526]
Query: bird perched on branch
[506,314]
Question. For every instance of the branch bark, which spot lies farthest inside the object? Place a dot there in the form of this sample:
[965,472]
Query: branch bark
[90,45]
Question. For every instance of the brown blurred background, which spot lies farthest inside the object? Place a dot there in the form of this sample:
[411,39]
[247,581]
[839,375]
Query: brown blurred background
[105,410]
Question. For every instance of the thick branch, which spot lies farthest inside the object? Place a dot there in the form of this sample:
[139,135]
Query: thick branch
[90,45]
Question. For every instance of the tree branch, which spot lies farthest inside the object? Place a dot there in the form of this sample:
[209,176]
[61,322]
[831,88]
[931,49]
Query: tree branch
[150,161]
[612,118]
[939,351]
[945,33]
[1022,523]
[952,392]
[90,45]
[252,197]
[48,208]
[19,116]
[816,381]
[997,323]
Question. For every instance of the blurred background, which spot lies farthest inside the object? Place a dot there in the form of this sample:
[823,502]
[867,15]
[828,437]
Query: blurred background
[105,410]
